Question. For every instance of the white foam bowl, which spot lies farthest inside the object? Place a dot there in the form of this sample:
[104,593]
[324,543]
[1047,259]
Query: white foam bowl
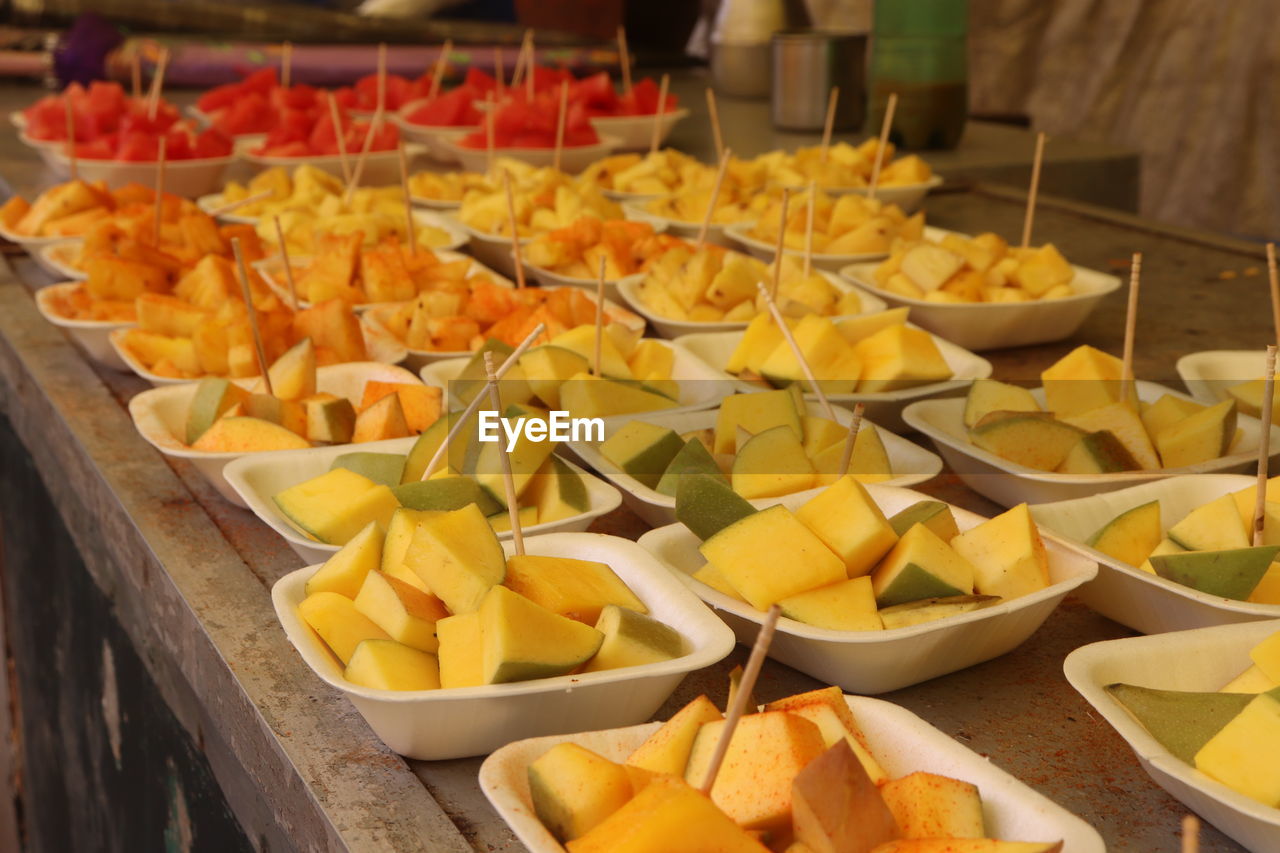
[765,251]
[92,336]
[573,159]
[440,724]
[1199,660]
[883,407]
[995,325]
[257,477]
[380,168]
[186,178]
[880,661]
[431,136]
[379,345]
[1209,374]
[629,290]
[699,388]
[547,278]
[33,245]
[635,133]
[47,150]
[273,273]
[909,197]
[902,742]
[1139,600]
[213,201]
[1008,483]
[160,415]
[57,259]
[716,231]
[910,464]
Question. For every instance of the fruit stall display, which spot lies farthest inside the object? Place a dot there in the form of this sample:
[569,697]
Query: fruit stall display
[427,594]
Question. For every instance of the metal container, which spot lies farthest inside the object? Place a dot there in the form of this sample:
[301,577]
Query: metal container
[740,49]
[806,64]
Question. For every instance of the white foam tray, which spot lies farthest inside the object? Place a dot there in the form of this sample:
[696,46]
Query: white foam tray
[880,661]
[1199,660]
[902,742]
[884,407]
[1126,594]
[440,724]
[257,477]
[910,463]
[1008,483]
[766,249]
[160,415]
[92,336]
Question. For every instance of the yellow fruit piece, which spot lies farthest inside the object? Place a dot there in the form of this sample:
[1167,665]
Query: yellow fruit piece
[573,789]
[1266,656]
[335,618]
[926,805]
[827,709]
[667,750]
[406,613]
[461,652]
[921,566]
[1201,437]
[1085,378]
[388,665]
[337,505]
[770,464]
[899,357]
[523,640]
[1123,422]
[848,605]
[576,589]
[849,522]
[1242,755]
[345,571]
[1007,554]
[247,435]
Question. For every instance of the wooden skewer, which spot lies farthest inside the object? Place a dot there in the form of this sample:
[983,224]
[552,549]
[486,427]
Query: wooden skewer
[135,74]
[745,687]
[253,315]
[1264,446]
[1130,328]
[851,440]
[488,132]
[160,157]
[358,171]
[532,66]
[885,127]
[410,228]
[599,318]
[286,64]
[624,60]
[1274,278]
[524,61]
[829,123]
[715,195]
[224,209]
[1190,834]
[515,232]
[781,245]
[288,265]
[157,84]
[437,72]
[1030,216]
[336,117]
[796,351]
[808,229]
[478,400]
[508,482]
[658,116]
[713,110]
[382,80]
[561,114]
[71,135]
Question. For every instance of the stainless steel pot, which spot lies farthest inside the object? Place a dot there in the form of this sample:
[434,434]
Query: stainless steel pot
[806,64]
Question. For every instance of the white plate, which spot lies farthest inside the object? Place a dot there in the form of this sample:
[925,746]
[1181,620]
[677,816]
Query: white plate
[902,743]
[629,288]
[573,159]
[439,724]
[1201,660]
[1126,594]
[1208,375]
[47,150]
[56,259]
[380,346]
[92,336]
[765,250]
[212,201]
[995,325]
[911,464]
[380,167]
[884,407]
[32,245]
[635,133]
[699,388]
[1008,483]
[160,414]
[257,477]
[272,271]
[432,136]
[880,661]
[186,178]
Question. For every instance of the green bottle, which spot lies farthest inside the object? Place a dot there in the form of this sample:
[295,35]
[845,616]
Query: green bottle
[919,49]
